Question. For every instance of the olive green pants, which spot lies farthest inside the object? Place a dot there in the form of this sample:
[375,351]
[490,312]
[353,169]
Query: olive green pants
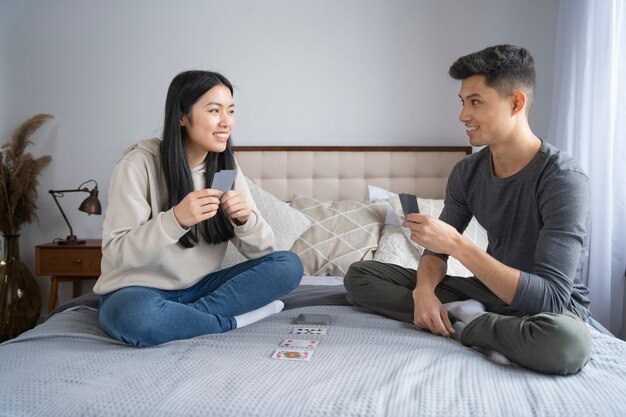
[546,342]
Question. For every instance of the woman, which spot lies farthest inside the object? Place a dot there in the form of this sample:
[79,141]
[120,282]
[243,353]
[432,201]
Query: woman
[166,231]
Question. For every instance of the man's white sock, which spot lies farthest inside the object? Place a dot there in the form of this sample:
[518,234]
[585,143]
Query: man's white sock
[466,310]
[259,314]
[458,327]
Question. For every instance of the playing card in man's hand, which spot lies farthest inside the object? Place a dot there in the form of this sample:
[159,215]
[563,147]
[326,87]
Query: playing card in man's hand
[409,204]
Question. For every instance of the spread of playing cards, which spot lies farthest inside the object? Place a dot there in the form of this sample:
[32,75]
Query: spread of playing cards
[300,348]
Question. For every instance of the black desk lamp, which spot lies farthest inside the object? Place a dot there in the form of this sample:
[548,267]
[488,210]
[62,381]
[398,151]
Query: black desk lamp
[91,205]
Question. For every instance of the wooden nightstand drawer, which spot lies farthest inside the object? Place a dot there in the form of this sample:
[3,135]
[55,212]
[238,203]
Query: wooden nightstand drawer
[78,260]
[68,263]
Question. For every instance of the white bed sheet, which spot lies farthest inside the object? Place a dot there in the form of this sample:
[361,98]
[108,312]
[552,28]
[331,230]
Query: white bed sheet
[321,280]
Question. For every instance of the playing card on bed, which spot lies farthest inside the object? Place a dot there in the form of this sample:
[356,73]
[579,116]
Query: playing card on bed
[309,330]
[307,319]
[292,355]
[300,343]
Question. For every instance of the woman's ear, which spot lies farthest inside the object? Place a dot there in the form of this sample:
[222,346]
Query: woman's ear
[184,120]
[519,101]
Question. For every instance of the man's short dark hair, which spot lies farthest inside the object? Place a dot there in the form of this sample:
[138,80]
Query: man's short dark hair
[507,68]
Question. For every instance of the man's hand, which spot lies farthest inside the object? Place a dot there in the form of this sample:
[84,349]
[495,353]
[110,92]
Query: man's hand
[236,207]
[429,314]
[440,237]
[197,206]
[433,234]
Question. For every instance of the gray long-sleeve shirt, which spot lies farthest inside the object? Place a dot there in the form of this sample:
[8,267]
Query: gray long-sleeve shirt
[536,221]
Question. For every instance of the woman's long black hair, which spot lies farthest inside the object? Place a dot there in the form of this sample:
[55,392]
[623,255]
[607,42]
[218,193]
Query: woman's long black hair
[184,91]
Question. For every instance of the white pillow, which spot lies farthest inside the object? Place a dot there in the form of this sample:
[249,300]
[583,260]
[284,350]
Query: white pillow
[377,193]
[286,222]
[404,255]
[395,248]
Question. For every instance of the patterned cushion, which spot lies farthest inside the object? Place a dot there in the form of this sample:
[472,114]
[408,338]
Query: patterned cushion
[287,222]
[341,233]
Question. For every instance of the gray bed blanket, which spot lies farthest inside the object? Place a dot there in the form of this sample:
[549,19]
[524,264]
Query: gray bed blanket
[366,365]
[302,296]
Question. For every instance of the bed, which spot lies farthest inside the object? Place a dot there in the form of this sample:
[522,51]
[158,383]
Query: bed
[364,365]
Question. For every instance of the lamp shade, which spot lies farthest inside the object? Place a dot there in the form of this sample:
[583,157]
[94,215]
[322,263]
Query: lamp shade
[91,205]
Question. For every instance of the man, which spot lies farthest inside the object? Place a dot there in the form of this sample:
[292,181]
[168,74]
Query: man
[526,300]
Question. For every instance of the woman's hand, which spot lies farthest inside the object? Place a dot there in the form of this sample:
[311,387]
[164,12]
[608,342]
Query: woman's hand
[197,206]
[236,207]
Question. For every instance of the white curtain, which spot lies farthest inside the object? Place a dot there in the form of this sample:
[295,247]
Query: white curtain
[589,122]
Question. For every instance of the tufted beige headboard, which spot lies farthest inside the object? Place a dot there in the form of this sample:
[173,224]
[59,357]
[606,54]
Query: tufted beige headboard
[343,173]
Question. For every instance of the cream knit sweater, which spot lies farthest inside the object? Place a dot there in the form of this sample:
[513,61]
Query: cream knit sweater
[139,239]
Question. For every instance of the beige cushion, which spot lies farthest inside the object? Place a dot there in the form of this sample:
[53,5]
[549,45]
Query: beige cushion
[342,232]
[286,222]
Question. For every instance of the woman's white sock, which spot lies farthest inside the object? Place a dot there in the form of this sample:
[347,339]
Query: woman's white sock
[259,314]
[466,310]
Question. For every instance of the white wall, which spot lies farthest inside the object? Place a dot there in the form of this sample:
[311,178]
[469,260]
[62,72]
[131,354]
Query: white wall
[326,72]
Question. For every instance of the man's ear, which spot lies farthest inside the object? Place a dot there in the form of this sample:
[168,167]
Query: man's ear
[519,102]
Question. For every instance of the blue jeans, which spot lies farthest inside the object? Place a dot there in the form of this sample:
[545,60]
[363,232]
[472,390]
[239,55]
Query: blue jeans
[144,316]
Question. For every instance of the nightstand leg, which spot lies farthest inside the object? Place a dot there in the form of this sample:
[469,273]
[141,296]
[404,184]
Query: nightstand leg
[75,288]
[54,286]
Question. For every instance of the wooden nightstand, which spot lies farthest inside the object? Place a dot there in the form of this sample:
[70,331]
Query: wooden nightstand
[68,263]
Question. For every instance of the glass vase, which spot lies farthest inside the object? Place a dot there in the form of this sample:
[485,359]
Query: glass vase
[20,296]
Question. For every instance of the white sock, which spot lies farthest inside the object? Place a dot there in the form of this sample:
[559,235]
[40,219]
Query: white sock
[494,356]
[466,310]
[499,358]
[253,316]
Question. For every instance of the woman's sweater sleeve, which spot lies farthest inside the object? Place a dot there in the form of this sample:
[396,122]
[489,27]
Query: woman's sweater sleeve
[134,234]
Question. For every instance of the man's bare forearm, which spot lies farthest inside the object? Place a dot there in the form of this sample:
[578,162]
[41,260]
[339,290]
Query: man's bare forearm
[430,271]
[498,277]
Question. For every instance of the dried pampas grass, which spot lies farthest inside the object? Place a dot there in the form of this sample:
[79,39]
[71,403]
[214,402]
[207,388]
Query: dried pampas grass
[19,173]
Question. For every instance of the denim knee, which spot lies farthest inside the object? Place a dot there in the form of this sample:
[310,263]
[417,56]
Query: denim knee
[289,268]
[119,318]
[144,317]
